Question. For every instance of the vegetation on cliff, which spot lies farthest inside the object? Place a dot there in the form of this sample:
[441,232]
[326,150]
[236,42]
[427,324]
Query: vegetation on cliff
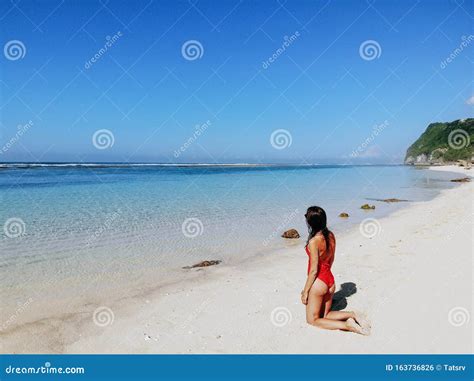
[443,142]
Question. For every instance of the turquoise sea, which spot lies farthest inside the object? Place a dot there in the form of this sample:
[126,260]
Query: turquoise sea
[90,230]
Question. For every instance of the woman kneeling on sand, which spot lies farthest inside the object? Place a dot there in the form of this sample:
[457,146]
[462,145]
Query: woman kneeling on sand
[319,288]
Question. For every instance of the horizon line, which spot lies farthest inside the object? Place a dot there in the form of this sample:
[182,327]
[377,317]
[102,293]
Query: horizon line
[116,163]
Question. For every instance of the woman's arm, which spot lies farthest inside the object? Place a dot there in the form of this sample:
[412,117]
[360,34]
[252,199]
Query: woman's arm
[313,270]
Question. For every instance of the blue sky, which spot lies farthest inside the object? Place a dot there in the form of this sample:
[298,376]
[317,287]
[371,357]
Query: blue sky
[322,90]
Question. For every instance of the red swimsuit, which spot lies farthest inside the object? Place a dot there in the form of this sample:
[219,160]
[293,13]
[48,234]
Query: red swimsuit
[324,270]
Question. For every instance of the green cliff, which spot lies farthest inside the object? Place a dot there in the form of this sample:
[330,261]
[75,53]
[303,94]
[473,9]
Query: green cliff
[443,143]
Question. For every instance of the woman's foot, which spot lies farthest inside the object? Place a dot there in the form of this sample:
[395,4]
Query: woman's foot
[352,326]
[362,320]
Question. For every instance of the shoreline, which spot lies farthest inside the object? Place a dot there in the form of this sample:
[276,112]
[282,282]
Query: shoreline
[229,308]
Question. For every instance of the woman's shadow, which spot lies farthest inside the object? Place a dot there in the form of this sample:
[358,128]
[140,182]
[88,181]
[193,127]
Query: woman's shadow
[339,300]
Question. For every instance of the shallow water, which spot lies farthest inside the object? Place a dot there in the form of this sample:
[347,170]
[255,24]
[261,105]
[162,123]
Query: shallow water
[86,230]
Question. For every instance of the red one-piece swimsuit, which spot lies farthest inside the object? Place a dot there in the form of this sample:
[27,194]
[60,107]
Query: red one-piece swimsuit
[324,270]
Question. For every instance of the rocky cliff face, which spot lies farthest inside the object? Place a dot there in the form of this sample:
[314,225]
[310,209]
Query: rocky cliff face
[443,143]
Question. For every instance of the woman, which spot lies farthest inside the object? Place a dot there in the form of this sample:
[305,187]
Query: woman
[319,288]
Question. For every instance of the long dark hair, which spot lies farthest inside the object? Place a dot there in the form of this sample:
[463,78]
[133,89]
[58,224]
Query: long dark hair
[317,222]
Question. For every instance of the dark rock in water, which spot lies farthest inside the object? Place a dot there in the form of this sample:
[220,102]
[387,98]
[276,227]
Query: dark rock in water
[391,200]
[461,180]
[344,215]
[367,207]
[203,264]
[292,233]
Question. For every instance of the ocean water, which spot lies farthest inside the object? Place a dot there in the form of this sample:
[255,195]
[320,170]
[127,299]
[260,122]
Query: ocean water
[89,231]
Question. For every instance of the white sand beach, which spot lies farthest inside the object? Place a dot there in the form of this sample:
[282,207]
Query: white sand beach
[413,279]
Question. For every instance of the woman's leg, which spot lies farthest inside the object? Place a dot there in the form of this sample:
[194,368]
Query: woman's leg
[314,307]
[335,315]
[314,317]
[358,317]
[328,300]
[340,315]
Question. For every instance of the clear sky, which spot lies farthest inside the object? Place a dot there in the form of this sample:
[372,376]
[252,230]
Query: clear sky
[349,68]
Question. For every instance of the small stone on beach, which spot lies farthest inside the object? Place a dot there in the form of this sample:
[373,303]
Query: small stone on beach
[344,215]
[203,264]
[367,207]
[292,233]
[391,200]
